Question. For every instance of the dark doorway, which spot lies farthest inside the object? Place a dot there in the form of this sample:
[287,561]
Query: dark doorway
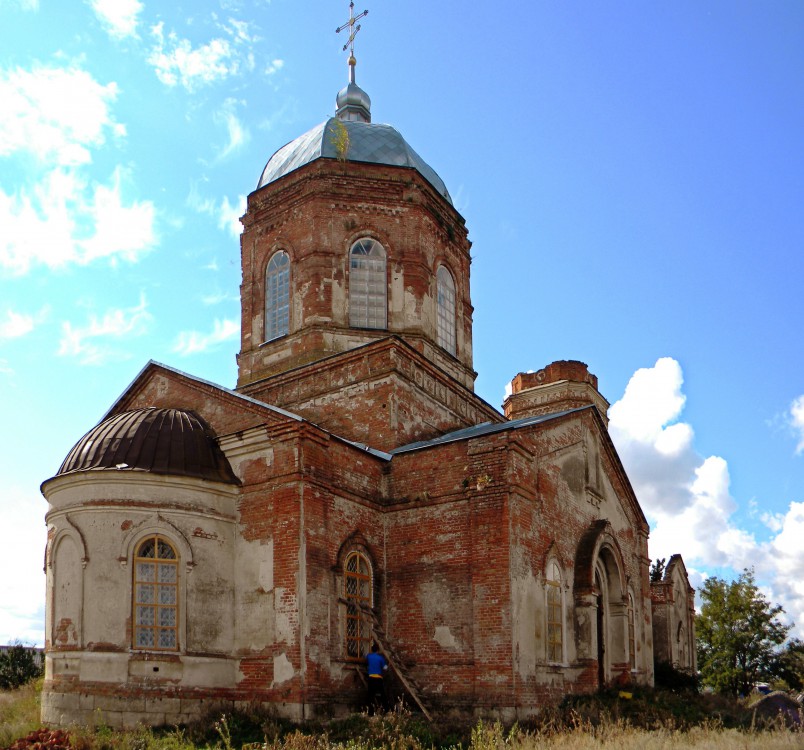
[601,634]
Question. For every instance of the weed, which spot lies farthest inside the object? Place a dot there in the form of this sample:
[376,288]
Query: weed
[652,720]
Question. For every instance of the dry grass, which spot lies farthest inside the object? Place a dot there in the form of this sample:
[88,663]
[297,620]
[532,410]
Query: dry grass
[19,712]
[619,736]
[572,730]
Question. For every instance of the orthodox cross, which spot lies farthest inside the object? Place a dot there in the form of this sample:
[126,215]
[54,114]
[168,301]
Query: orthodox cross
[350,24]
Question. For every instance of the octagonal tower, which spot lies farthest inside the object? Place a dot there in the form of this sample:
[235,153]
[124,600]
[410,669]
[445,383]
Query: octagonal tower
[355,294]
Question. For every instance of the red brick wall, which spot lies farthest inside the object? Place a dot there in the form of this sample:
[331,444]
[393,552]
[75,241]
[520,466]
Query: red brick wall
[315,214]
[385,394]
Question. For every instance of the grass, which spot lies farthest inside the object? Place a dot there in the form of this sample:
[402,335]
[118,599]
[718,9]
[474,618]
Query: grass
[19,712]
[651,720]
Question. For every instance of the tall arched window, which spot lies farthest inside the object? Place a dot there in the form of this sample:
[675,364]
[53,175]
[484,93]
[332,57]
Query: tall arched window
[156,601]
[555,614]
[445,323]
[631,631]
[277,296]
[357,585]
[368,288]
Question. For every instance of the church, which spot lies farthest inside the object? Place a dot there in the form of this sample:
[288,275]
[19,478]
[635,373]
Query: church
[215,547]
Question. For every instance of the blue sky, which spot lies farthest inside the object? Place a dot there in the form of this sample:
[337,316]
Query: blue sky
[631,173]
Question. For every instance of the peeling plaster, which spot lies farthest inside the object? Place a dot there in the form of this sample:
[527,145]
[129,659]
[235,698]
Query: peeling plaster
[444,638]
[525,608]
[266,574]
[283,669]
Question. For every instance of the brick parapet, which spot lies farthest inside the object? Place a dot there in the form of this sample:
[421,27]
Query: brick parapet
[558,387]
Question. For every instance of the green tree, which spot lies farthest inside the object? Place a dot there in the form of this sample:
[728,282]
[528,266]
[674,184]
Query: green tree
[18,665]
[738,633]
[657,570]
[789,668]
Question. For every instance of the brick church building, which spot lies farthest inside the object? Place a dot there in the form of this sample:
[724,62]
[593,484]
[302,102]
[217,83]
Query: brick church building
[211,546]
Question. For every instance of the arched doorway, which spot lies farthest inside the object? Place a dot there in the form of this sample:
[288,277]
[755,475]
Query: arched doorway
[601,605]
[612,616]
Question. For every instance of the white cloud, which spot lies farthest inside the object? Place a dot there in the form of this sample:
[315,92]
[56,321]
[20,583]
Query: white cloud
[176,61]
[658,456]
[119,230]
[59,116]
[25,4]
[65,219]
[22,593]
[89,343]
[788,563]
[274,67]
[119,17]
[195,342]
[225,213]
[774,521]
[797,421]
[15,325]
[55,114]
[216,298]
[229,215]
[687,497]
[237,133]
[652,399]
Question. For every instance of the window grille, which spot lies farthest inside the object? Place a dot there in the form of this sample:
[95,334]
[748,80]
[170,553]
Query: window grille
[156,608]
[277,296]
[357,586]
[368,288]
[445,323]
[555,615]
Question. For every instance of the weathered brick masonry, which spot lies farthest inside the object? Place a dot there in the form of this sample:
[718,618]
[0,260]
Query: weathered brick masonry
[214,547]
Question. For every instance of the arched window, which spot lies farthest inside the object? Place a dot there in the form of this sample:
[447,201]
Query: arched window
[156,583]
[445,323]
[368,289]
[277,296]
[631,631]
[555,614]
[357,590]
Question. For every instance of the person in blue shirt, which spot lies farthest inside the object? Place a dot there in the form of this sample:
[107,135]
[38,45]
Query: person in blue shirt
[376,665]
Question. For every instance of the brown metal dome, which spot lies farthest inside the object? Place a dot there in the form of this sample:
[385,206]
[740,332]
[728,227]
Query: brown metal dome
[160,441]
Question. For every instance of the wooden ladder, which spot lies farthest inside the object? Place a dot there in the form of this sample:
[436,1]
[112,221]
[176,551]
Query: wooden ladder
[394,661]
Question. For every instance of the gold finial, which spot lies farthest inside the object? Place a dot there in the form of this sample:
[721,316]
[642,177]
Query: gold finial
[350,24]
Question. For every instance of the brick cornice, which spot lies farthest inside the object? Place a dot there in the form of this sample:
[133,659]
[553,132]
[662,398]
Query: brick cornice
[391,354]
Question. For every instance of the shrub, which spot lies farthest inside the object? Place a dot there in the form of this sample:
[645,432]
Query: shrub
[667,676]
[18,665]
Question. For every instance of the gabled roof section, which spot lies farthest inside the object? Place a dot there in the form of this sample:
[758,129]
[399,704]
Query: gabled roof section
[489,428]
[153,368]
[676,561]
[239,402]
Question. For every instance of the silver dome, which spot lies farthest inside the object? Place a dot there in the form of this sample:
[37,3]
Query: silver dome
[352,103]
[368,142]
